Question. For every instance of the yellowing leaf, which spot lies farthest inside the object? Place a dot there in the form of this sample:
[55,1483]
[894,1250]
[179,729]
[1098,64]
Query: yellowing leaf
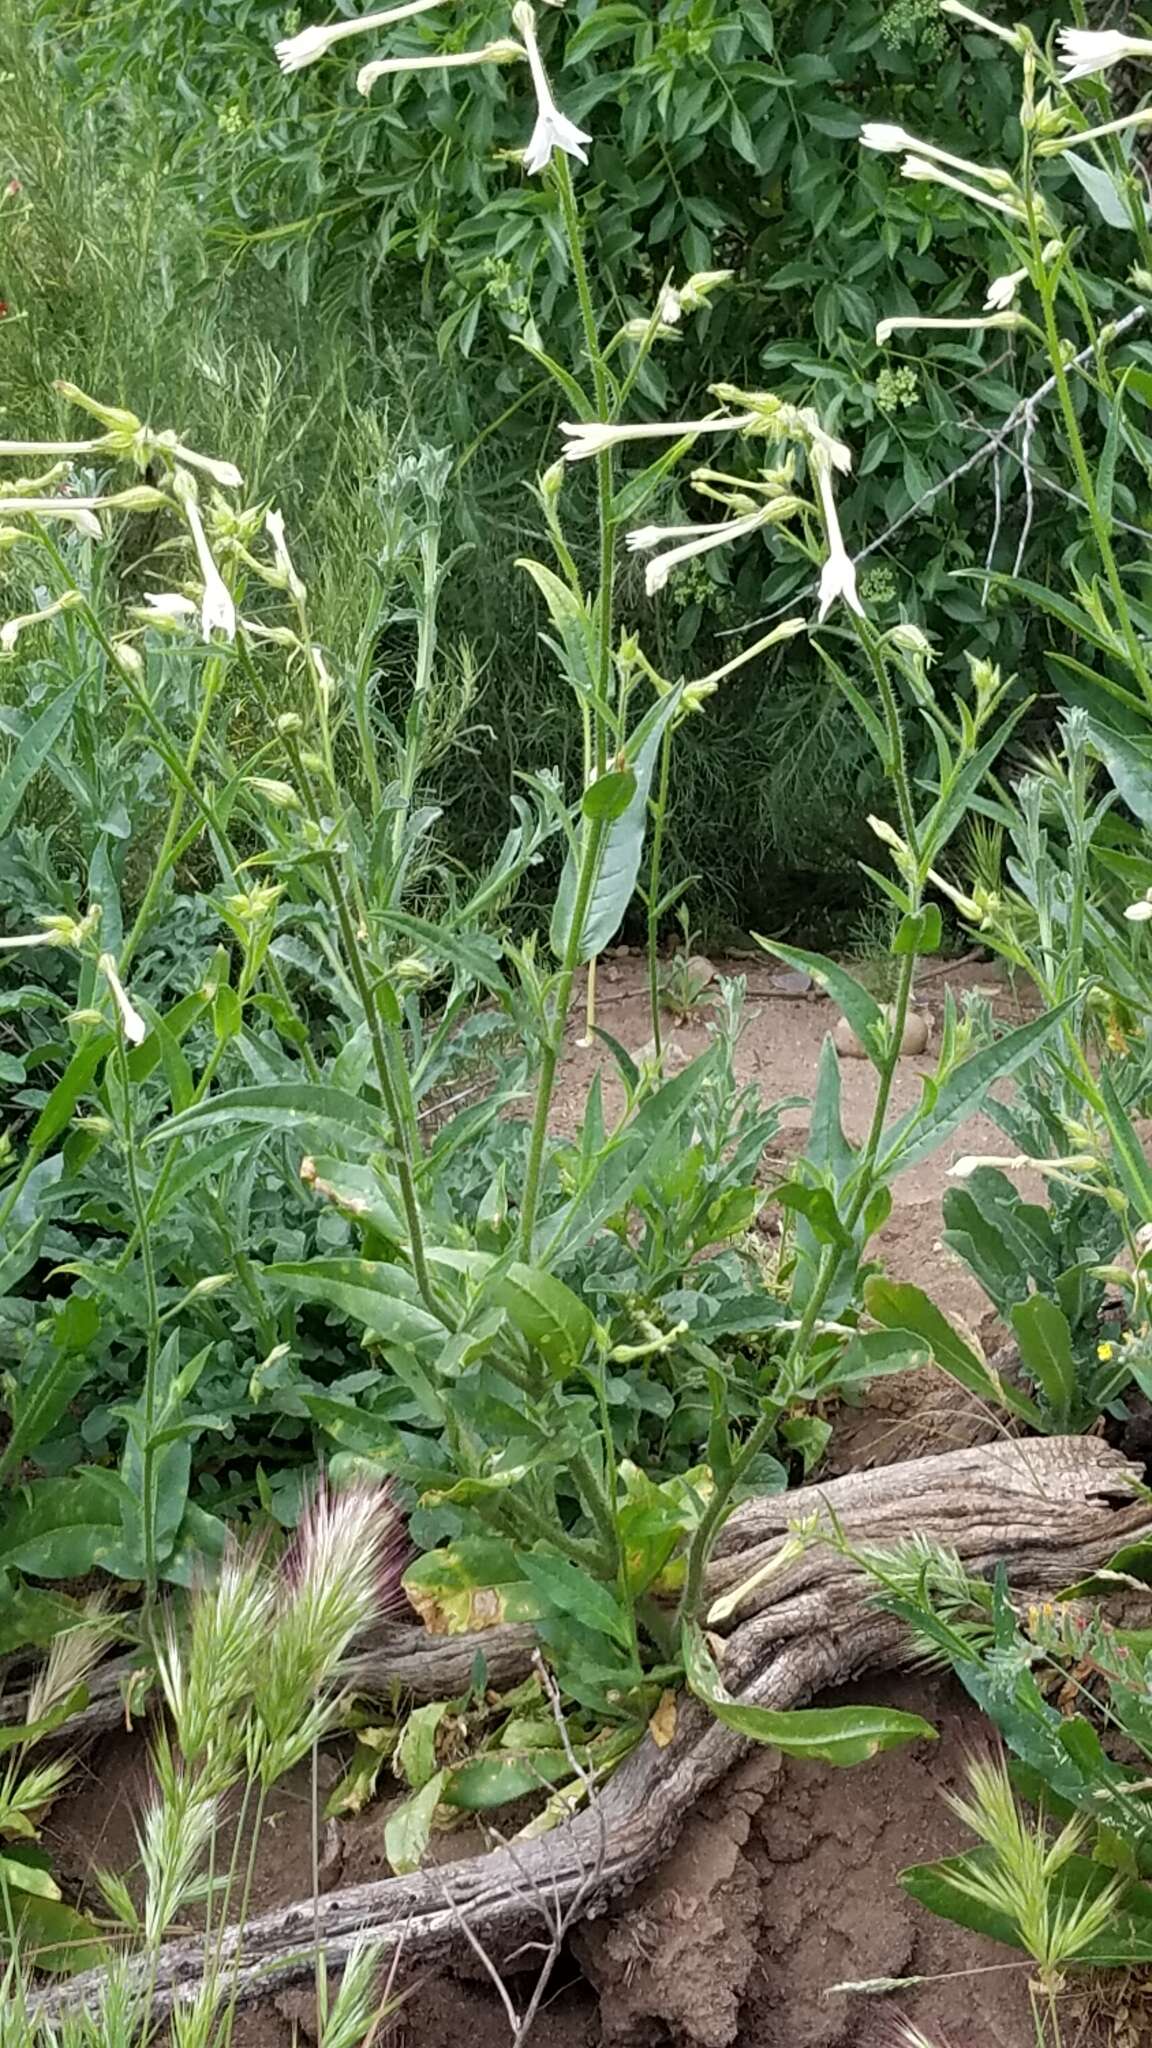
[662,1726]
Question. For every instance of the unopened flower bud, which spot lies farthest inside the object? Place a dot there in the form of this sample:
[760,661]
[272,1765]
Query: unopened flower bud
[281,794]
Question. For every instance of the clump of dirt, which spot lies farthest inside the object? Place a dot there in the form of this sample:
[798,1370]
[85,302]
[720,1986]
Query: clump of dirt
[785,1883]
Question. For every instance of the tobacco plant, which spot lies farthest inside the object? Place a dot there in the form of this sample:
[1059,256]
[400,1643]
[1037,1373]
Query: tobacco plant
[1060,889]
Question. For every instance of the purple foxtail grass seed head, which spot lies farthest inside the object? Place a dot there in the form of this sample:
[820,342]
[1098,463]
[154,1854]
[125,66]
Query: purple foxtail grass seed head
[349,1554]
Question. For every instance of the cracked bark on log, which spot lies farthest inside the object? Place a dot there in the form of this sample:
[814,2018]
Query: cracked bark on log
[1049,1510]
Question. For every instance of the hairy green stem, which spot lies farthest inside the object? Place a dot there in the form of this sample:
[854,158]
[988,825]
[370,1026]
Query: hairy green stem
[660,812]
[594,834]
[377,1034]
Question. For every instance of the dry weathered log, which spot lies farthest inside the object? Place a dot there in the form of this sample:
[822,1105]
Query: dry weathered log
[1048,1510]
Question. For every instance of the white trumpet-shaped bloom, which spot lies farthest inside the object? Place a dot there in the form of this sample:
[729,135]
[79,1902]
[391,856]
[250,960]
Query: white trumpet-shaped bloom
[592,437]
[1084,51]
[217,611]
[1002,291]
[77,512]
[838,576]
[298,51]
[960,12]
[11,630]
[691,541]
[889,140]
[131,1022]
[921,170]
[553,129]
[504,52]
[274,528]
[914,322]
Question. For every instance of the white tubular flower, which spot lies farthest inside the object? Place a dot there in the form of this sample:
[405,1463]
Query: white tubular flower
[274,528]
[693,540]
[914,322]
[25,941]
[553,129]
[1142,118]
[1141,912]
[11,630]
[50,447]
[671,307]
[959,12]
[890,140]
[168,607]
[592,437]
[1085,51]
[131,1022]
[506,52]
[295,53]
[838,576]
[225,474]
[919,168]
[217,611]
[77,512]
[1002,290]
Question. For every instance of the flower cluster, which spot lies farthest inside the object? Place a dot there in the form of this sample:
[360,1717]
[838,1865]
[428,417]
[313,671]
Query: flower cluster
[552,131]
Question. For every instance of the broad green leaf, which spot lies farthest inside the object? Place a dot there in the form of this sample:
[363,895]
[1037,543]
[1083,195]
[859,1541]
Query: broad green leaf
[1127,1939]
[1129,763]
[501,1775]
[850,996]
[1046,1351]
[827,1735]
[358,1193]
[36,1407]
[818,1208]
[548,1315]
[408,1830]
[286,1106]
[74,1082]
[964,1091]
[475,955]
[898,1305]
[610,795]
[474,1583]
[564,1589]
[919,931]
[52,1936]
[384,1298]
[1102,190]
[27,1877]
[618,862]
[415,1753]
[873,1353]
[1131,1163]
[62,1528]
[32,751]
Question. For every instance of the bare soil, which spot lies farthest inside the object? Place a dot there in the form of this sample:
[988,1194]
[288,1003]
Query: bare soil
[785,1883]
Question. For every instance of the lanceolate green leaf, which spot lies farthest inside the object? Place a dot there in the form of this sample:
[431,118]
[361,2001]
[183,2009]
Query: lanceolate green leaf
[623,844]
[1046,1351]
[828,1735]
[964,1090]
[62,1528]
[850,996]
[899,1305]
[384,1298]
[287,1106]
[32,751]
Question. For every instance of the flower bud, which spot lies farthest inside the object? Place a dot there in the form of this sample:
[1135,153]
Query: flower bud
[280,794]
